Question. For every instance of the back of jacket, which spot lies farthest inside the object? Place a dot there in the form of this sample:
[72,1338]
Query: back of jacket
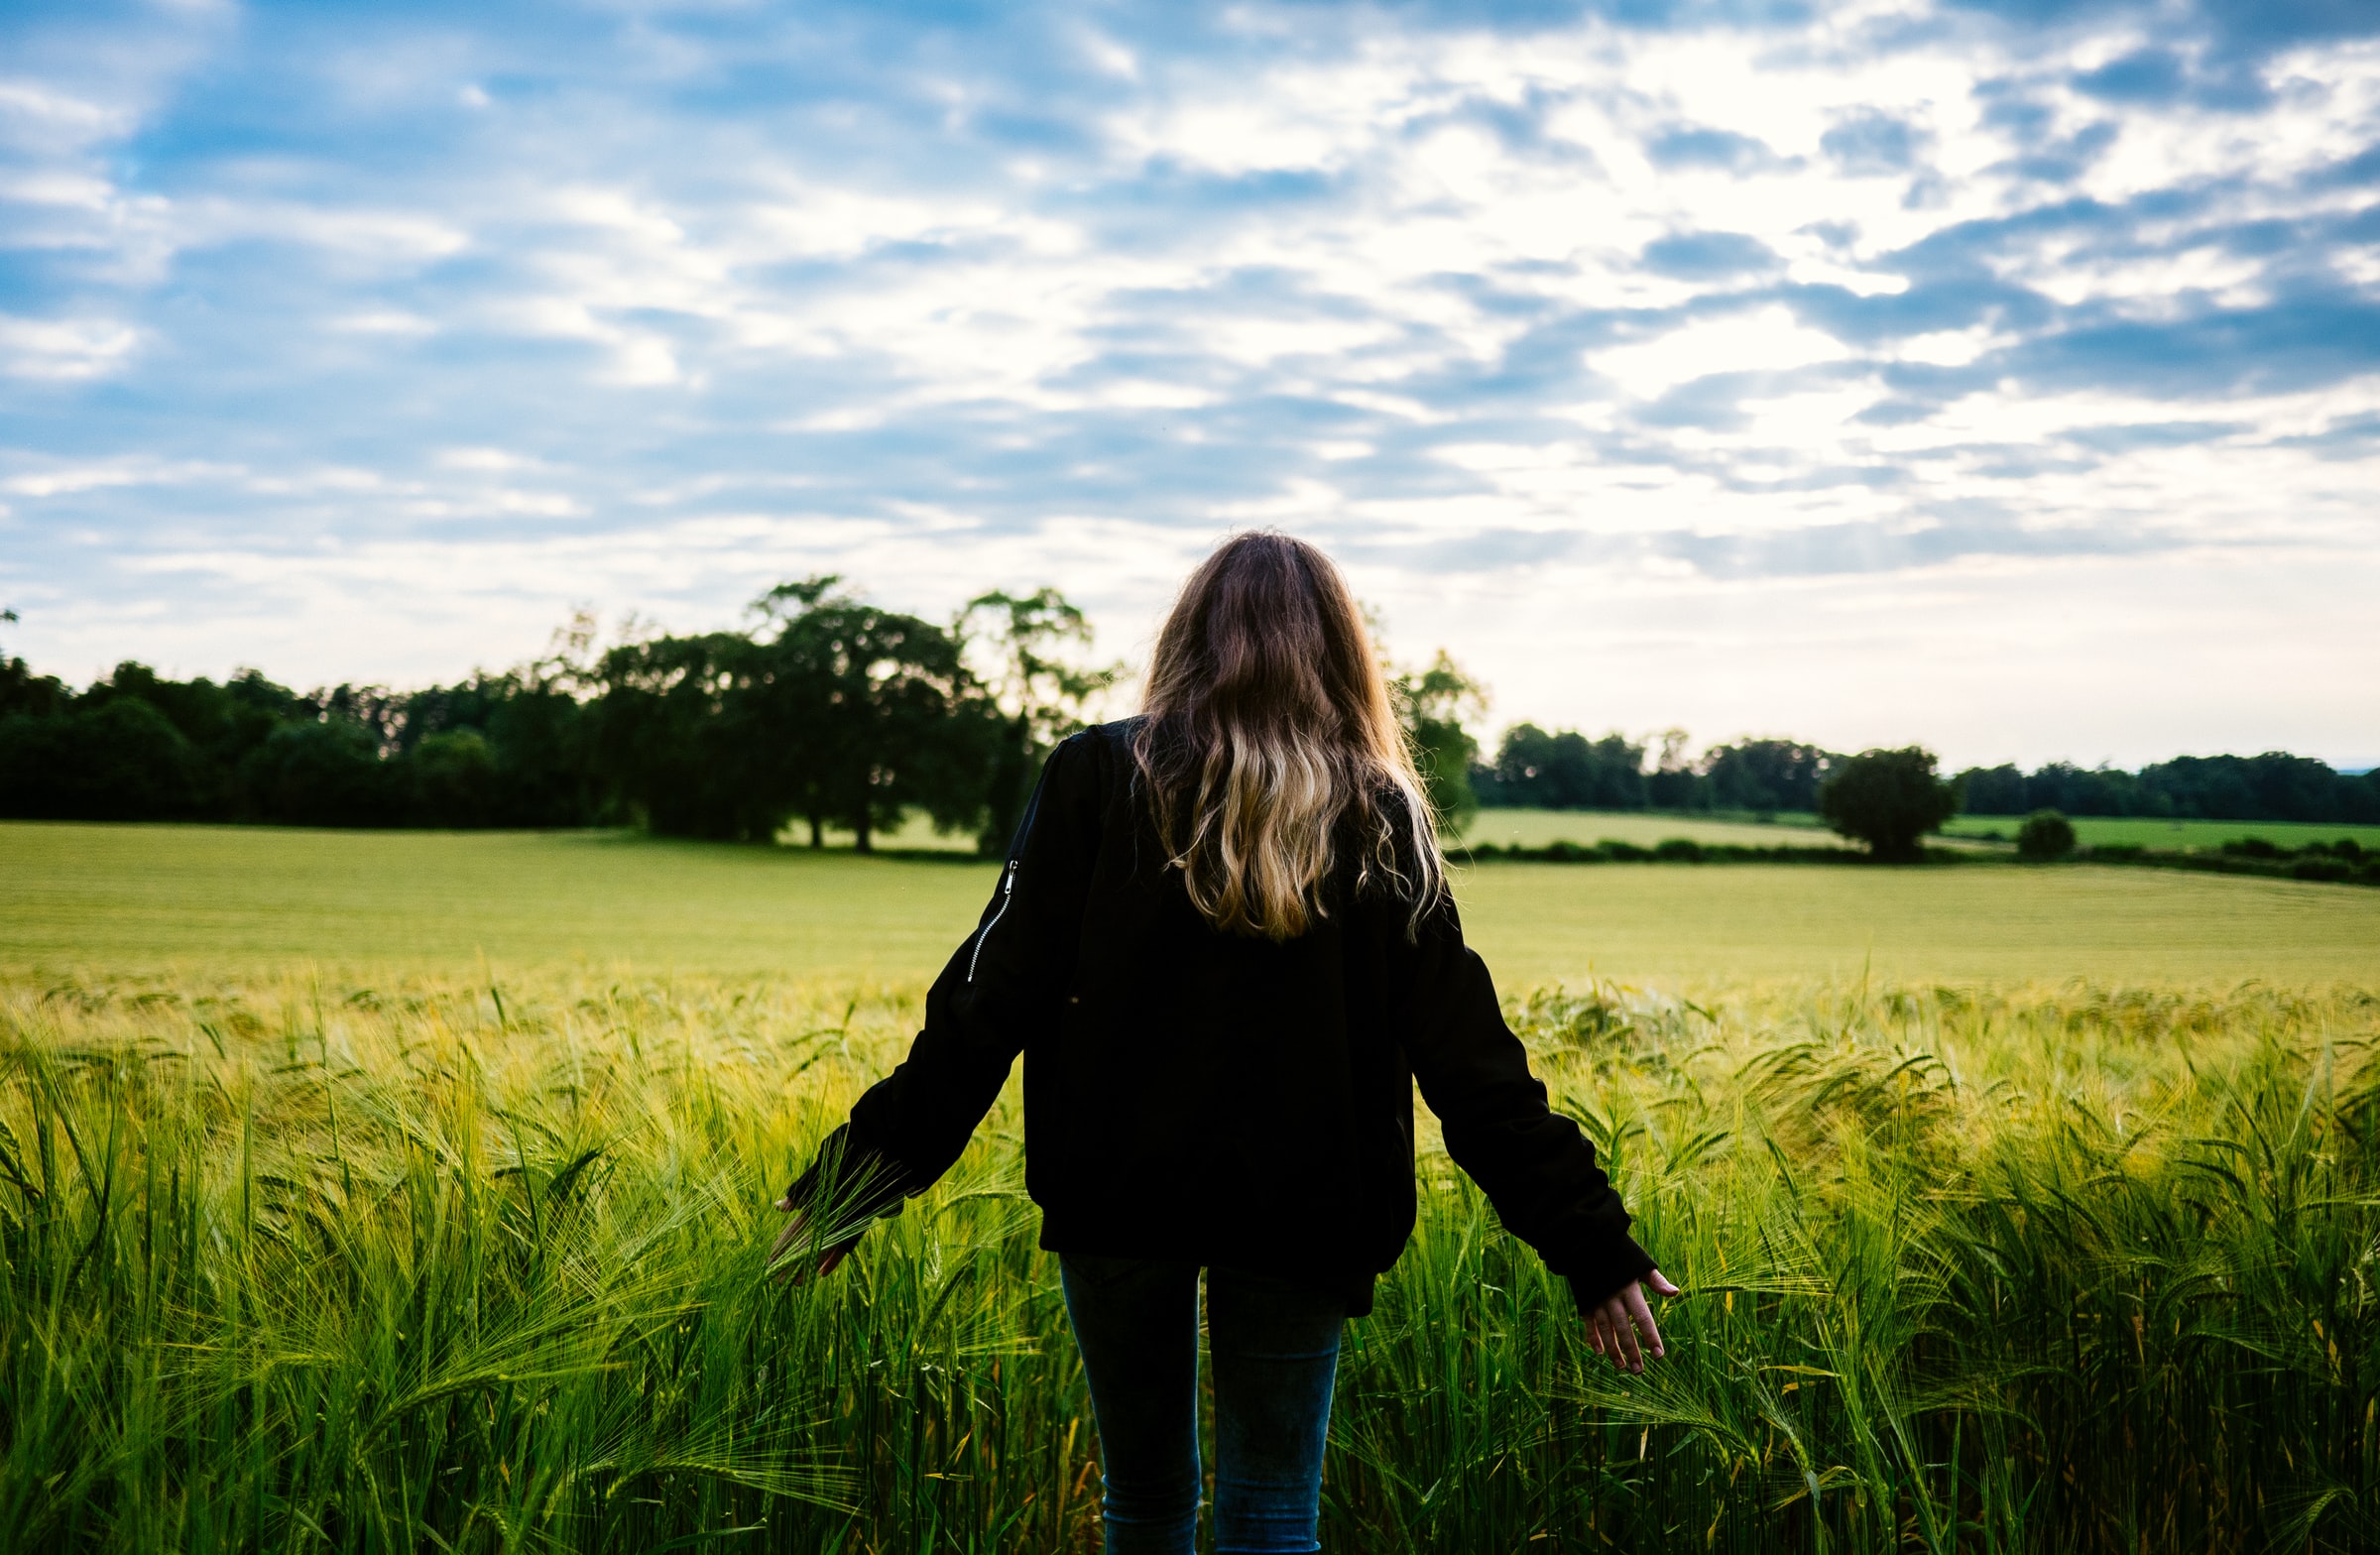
[1196,1095]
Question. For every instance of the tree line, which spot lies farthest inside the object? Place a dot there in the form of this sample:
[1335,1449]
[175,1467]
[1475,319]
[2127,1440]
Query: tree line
[825,710]
[1569,770]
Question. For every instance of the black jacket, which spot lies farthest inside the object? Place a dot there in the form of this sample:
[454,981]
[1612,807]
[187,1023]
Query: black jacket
[1209,1096]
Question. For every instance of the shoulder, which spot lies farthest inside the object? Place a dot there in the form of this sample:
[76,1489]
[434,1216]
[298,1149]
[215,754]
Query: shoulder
[1093,756]
[1100,747]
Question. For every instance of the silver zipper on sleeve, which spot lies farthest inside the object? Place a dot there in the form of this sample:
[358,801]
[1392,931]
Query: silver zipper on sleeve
[1008,885]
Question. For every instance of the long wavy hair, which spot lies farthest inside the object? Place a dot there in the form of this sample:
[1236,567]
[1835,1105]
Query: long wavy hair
[1267,742]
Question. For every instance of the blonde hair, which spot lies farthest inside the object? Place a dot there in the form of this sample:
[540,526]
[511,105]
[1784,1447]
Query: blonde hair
[1266,726]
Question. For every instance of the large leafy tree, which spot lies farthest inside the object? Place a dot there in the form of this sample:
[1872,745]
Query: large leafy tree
[668,737]
[1025,646]
[864,713]
[1888,799]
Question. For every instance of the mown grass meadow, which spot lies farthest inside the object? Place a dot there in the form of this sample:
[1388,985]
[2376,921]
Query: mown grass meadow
[433,1265]
[213,902]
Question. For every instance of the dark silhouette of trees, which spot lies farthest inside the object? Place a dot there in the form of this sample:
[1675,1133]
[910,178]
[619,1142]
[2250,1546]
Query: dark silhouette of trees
[1765,776]
[1563,772]
[828,711]
[2273,786]
[327,772]
[832,711]
[1887,799]
[121,761]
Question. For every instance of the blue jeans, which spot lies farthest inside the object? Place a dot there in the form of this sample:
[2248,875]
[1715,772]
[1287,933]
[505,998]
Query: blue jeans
[1274,1349]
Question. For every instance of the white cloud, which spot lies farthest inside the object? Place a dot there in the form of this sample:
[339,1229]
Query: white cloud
[64,348]
[1057,306]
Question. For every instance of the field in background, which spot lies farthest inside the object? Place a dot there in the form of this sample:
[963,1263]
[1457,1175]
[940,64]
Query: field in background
[1644,829]
[223,902]
[1537,828]
[2173,836]
[315,1263]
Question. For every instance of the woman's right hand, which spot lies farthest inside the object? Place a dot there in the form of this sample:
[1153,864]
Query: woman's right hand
[791,1236]
[1622,1330]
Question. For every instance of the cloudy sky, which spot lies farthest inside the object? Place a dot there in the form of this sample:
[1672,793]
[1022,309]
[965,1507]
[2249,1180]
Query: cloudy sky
[2000,376]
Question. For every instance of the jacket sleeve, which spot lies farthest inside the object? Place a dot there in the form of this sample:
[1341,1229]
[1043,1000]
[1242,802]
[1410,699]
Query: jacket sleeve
[1004,980]
[1538,1169]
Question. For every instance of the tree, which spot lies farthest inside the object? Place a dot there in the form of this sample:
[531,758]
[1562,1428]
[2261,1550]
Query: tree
[2045,835]
[1673,783]
[22,691]
[1888,799]
[1563,772]
[454,779]
[1040,696]
[887,715]
[1432,705]
[1767,776]
[123,760]
[1992,790]
[323,772]
[677,744]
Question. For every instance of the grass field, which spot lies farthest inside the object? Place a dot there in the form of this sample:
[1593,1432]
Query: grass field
[368,1192]
[2173,836]
[1644,829]
[1537,828]
[216,900]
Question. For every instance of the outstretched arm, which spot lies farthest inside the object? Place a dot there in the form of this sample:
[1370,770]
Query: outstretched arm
[1004,980]
[1538,1169]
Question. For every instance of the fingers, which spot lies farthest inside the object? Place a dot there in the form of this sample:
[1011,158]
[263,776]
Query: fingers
[1622,1329]
[788,1236]
[1631,1357]
[1641,1316]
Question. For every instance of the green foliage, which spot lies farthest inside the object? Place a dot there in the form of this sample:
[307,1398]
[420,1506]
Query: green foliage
[1887,799]
[455,779]
[323,773]
[1433,704]
[1563,772]
[2046,835]
[2273,786]
[827,709]
[122,759]
[1041,693]
[439,1264]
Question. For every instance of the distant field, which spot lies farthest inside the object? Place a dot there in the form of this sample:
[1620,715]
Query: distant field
[110,899]
[2179,836]
[222,896]
[1537,828]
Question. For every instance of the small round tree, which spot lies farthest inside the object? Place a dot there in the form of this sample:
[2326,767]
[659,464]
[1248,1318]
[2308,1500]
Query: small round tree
[2046,835]
[1887,799]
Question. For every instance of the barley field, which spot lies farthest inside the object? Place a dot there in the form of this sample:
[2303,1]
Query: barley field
[327,1226]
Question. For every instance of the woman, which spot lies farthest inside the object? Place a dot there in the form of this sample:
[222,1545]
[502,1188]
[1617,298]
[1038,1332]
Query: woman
[1225,944]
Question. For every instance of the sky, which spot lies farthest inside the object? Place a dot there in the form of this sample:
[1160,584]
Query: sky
[2001,377]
